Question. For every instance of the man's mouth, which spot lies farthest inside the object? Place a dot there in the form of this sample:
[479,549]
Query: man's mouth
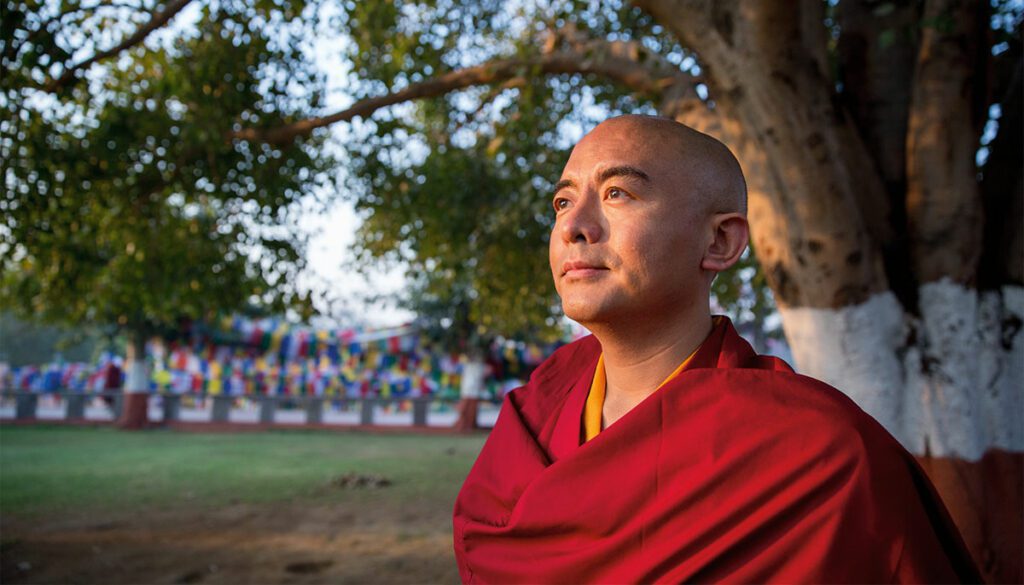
[581,269]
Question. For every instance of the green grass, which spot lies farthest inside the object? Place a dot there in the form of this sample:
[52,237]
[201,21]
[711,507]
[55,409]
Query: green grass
[47,470]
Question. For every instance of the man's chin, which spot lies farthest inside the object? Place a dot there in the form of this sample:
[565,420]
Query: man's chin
[587,312]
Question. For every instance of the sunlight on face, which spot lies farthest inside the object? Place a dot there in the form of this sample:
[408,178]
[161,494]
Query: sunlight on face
[629,233]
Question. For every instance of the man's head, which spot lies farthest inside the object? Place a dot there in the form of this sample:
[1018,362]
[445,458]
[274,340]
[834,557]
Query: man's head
[647,212]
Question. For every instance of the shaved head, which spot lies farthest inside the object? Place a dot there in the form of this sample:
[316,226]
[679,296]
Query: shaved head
[647,211]
[705,165]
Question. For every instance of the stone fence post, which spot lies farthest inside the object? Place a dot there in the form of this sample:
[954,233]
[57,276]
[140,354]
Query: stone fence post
[25,404]
[366,412]
[75,405]
[221,408]
[268,406]
[419,411]
[172,407]
[314,410]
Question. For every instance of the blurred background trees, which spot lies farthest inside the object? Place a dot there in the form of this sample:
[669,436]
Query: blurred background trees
[126,201]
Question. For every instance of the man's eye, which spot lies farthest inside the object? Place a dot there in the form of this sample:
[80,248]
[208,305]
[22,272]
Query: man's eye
[615,193]
[560,203]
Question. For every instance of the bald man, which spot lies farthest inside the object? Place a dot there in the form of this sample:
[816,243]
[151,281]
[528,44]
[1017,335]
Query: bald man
[662,447]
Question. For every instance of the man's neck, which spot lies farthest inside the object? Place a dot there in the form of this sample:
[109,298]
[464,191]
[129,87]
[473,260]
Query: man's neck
[638,357]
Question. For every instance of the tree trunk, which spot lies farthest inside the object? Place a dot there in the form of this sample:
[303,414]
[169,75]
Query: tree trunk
[135,412]
[947,385]
[471,386]
[942,372]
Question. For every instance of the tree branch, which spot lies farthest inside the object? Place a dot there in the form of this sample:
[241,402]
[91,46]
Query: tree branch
[11,50]
[56,18]
[513,83]
[707,26]
[626,63]
[878,51]
[814,35]
[944,208]
[158,20]
[687,19]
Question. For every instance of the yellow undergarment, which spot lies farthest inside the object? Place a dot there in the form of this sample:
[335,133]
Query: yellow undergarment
[595,400]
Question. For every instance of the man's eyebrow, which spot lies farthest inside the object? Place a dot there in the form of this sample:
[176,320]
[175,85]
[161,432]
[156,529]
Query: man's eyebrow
[622,171]
[561,185]
[617,171]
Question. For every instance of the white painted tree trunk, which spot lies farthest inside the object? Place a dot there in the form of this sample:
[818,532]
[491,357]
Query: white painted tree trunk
[136,377]
[136,380]
[474,372]
[134,407]
[949,383]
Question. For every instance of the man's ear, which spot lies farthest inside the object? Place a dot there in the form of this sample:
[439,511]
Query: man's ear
[730,235]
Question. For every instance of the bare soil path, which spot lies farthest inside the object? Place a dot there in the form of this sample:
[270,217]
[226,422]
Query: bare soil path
[352,541]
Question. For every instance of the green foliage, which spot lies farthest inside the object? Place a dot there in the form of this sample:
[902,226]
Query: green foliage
[470,221]
[126,200]
[743,294]
[459,187]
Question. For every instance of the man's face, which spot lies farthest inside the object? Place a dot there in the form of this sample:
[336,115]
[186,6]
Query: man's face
[629,234]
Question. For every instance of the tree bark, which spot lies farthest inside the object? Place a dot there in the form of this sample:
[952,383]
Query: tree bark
[877,52]
[943,201]
[472,384]
[983,496]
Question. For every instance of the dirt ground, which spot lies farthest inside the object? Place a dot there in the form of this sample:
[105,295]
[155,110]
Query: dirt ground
[341,542]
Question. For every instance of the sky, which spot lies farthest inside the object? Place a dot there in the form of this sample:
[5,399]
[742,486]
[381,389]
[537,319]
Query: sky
[333,233]
[329,258]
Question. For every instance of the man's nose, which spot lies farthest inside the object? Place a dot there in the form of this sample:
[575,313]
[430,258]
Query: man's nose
[583,223]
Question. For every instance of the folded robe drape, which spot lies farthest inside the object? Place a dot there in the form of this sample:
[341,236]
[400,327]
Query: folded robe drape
[737,470]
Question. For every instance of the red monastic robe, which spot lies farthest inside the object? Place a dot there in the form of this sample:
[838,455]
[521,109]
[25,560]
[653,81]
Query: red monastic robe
[737,470]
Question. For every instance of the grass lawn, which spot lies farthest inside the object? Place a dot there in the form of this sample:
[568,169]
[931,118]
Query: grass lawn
[50,470]
[99,505]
